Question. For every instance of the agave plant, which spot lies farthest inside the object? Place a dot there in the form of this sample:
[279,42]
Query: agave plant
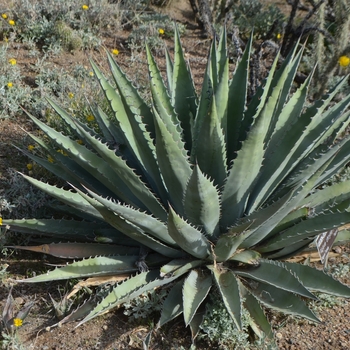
[199,193]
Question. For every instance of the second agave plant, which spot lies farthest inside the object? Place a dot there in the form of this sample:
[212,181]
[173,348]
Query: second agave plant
[197,193]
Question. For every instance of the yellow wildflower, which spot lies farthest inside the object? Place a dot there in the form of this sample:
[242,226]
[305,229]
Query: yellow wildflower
[85,7]
[161,31]
[70,94]
[50,159]
[9,85]
[278,36]
[0,221]
[12,22]
[31,147]
[29,166]
[4,15]
[17,322]
[80,142]
[344,61]
[90,118]
[91,74]
[115,52]
[12,61]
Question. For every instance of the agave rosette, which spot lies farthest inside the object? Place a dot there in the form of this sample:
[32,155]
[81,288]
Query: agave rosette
[197,192]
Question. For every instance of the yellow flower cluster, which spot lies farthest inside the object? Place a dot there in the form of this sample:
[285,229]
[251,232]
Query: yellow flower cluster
[90,118]
[115,52]
[70,94]
[9,85]
[161,31]
[0,221]
[12,22]
[4,15]
[344,61]
[29,166]
[31,147]
[17,322]
[12,61]
[85,7]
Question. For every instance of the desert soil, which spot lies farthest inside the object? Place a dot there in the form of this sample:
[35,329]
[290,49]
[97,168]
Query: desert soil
[113,330]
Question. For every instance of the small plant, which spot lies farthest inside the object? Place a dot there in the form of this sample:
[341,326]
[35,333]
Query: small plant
[10,323]
[145,305]
[198,192]
[218,327]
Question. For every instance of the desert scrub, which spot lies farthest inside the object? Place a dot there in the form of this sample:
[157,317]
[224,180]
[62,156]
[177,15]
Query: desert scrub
[217,326]
[68,24]
[246,15]
[13,91]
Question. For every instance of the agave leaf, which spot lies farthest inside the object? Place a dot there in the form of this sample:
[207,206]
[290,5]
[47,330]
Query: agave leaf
[317,280]
[286,73]
[110,136]
[339,161]
[66,169]
[89,161]
[297,193]
[173,164]
[280,300]
[227,245]
[119,292]
[250,257]
[290,250]
[219,76]
[328,197]
[68,119]
[197,321]
[96,266]
[202,203]
[276,274]
[144,221]
[172,306]
[133,290]
[187,237]
[209,146]
[265,219]
[68,197]
[237,98]
[229,290]
[268,180]
[291,219]
[169,69]
[130,95]
[257,314]
[79,250]
[305,229]
[132,231]
[184,98]
[160,97]
[128,178]
[213,65]
[63,229]
[135,134]
[176,265]
[305,137]
[246,166]
[195,289]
